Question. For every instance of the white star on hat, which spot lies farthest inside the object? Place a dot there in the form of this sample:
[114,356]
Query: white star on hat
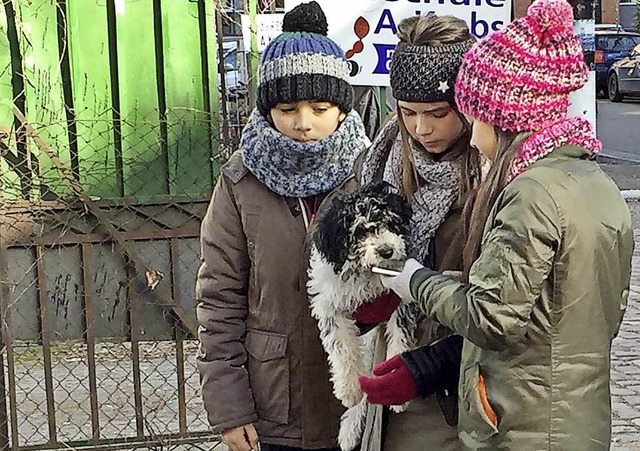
[443,86]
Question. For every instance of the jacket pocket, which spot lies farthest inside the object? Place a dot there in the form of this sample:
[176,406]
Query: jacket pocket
[482,420]
[268,369]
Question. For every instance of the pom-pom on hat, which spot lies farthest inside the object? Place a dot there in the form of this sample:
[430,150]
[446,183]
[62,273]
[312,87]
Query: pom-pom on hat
[302,63]
[519,78]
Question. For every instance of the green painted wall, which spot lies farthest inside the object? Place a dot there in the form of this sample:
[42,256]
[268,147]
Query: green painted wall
[141,96]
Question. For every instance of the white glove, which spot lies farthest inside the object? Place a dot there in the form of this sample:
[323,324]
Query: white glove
[454,275]
[401,284]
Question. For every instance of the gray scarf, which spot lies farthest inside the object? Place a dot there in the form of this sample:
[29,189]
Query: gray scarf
[439,185]
[294,169]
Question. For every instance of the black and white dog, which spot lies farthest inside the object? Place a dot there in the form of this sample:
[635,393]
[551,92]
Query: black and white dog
[358,231]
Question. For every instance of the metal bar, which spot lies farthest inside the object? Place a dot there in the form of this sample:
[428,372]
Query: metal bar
[179,335]
[111,203]
[161,91]
[115,93]
[134,330]
[128,443]
[223,86]
[67,86]
[4,420]
[89,316]
[45,333]
[254,57]
[99,238]
[209,108]
[149,217]
[125,247]
[187,212]
[5,296]
[20,98]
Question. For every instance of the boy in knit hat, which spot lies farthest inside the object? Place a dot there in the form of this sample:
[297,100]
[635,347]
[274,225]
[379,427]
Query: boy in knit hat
[264,372]
[549,255]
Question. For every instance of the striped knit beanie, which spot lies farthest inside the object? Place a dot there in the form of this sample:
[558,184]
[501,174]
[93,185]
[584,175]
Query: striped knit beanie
[302,63]
[426,73]
[519,78]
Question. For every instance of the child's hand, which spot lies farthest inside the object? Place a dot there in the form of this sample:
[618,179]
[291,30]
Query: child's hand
[401,284]
[242,438]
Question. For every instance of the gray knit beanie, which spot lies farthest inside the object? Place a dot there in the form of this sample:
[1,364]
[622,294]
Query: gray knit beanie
[427,73]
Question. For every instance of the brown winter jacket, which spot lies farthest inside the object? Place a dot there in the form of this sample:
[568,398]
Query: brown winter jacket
[261,359]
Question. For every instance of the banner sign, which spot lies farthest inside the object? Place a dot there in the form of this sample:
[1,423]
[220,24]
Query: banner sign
[366,29]
[268,27]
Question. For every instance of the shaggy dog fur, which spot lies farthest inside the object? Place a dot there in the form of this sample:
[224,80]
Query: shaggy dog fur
[358,231]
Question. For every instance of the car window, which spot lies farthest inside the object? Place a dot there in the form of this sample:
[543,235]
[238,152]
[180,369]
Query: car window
[231,60]
[619,43]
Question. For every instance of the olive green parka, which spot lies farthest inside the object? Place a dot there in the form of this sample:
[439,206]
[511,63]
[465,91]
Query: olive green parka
[544,300]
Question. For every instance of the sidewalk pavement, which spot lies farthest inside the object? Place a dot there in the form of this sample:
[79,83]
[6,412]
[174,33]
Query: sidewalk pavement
[625,370]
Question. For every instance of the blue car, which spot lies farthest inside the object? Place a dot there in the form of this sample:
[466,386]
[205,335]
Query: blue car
[611,46]
[624,76]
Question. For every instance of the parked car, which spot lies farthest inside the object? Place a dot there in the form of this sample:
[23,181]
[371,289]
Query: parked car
[235,74]
[609,27]
[624,76]
[611,46]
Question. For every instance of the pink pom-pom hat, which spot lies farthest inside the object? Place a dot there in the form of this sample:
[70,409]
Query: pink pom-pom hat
[519,77]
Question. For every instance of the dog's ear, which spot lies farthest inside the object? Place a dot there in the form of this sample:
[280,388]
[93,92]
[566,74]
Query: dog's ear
[401,209]
[331,232]
[376,189]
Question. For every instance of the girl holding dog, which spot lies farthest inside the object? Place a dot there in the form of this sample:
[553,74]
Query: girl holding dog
[424,153]
[264,372]
[549,255]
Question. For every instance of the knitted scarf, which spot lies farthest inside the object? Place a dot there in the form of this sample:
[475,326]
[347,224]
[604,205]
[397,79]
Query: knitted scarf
[294,169]
[574,131]
[439,185]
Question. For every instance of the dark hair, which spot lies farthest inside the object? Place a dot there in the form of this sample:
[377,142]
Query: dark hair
[476,217]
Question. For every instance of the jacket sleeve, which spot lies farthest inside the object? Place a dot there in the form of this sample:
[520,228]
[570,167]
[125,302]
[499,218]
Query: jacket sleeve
[504,282]
[221,293]
[435,367]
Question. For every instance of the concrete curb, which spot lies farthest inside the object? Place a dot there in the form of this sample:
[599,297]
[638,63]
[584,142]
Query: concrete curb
[609,159]
[630,195]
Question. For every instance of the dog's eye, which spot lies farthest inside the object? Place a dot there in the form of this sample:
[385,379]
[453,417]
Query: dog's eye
[366,228]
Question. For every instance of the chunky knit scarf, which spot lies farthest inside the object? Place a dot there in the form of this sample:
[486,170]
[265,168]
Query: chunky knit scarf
[574,131]
[438,190]
[294,169]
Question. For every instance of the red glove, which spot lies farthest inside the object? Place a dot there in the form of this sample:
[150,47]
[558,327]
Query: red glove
[393,387]
[378,310]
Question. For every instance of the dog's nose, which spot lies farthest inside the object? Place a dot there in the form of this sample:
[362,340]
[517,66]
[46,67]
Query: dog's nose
[385,251]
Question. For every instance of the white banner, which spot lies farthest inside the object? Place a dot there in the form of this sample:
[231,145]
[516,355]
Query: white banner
[366,29]
[268,27]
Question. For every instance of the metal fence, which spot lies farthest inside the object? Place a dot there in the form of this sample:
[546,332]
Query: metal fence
[98,315]
[115,116]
